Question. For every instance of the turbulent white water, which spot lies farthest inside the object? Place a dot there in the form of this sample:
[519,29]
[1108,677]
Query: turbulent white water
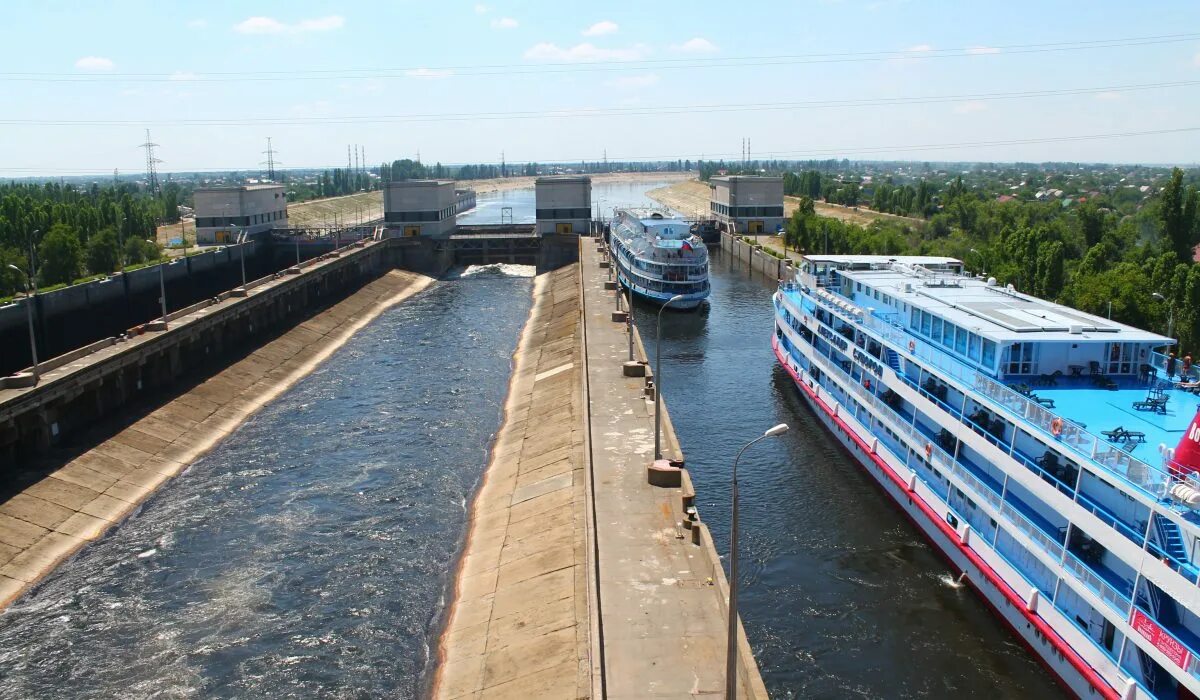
[495,270]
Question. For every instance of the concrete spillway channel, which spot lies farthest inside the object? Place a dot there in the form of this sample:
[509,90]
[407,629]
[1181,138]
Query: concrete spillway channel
[577,577]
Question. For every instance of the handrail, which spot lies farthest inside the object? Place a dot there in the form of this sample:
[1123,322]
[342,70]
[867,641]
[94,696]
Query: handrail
[1071,563]
[1149,479]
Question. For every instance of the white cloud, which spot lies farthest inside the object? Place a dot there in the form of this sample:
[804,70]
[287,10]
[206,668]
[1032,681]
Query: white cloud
[197,24]
[481,9]
[919,48]
[505,23]
[696,45]
[429,73]
[982,50]
[970,107]
[1108,95]
[95,63]
[547,51]
[634,82]
[601,28]
[270,25]
[183,75]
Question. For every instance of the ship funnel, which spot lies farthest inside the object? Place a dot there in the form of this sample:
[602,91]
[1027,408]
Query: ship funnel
[1187,453]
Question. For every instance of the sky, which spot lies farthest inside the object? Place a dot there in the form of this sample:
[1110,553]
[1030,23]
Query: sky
[552,81]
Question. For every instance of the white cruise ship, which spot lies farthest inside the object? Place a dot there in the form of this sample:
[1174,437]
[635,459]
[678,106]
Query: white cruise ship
[659,257]
[1046,452]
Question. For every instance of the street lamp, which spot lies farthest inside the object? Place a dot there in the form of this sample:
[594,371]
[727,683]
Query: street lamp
[731,641]
[162,287]
[30,293]
[982,261]
[241,241]
[1171,313]
[658,378]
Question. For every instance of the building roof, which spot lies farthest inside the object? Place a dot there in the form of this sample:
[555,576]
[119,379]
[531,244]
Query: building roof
[248,188]
[990,310]
[748,178]
[420,183]
[552,179]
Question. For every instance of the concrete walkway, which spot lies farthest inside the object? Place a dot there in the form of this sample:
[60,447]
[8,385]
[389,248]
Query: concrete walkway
[54,517]
[520,625]
[662,597]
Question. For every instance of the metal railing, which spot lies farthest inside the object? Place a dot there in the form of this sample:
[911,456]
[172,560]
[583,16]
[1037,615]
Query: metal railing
[1106,591]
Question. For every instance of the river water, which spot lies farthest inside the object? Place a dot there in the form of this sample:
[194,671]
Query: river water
[308,554]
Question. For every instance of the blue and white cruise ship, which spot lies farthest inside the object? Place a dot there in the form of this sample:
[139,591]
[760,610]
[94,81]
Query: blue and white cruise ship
[1044,451]
[659,257]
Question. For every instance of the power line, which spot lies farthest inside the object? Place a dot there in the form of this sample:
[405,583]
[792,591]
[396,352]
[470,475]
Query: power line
[605,66]
[613,111]
[797,154]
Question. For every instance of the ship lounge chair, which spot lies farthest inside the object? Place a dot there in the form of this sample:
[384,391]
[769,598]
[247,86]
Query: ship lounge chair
[1048,379]
[1158,404]
[1048,403]
[1134,436]
[1115,435]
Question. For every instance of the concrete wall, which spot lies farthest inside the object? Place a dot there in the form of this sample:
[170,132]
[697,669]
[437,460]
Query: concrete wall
[564,201]
[756,260]
[31,421]
[80,314]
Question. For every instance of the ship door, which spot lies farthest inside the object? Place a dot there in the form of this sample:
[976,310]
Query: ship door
[563,228]
[1107,634]
[412,230]
[755,227]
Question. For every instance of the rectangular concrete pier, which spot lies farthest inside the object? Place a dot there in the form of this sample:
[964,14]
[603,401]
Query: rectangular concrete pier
[579,579]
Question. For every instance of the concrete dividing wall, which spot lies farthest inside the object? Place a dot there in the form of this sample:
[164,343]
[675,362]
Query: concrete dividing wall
[756,260]
[75,395]
[80,314]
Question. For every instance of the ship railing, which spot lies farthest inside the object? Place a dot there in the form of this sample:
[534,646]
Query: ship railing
[1183,567]
[1111,595]
[1151,480]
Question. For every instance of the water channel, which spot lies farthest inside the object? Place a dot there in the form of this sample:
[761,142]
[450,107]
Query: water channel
[308,554]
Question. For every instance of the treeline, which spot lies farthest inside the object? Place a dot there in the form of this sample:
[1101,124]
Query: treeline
[63,232]
[1090,257]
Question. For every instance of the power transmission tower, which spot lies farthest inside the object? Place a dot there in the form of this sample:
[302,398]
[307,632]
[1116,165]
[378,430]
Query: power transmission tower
[363,152]
[151,161]
[116,178]
[270,162]
[356,159]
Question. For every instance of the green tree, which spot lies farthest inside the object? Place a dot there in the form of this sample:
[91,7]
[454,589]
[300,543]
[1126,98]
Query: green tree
[138,251]
[102,251]
[61,255]
[1177,211]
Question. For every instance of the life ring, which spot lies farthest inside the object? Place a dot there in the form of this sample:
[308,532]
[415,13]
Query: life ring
[912,346]
[928,451]
[867,384]
[1056,427]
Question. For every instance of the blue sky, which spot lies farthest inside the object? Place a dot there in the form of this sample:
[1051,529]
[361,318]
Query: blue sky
[125,66]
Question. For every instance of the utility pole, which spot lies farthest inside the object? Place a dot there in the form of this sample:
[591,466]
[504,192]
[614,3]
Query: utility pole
[151,174]
[503,171]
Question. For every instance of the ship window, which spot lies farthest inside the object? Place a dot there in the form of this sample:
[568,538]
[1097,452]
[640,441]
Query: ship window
[937,330]
[915,318]
[973,348]
[989,353]
[926,320]
[960,341]
[858,286]
[948,335]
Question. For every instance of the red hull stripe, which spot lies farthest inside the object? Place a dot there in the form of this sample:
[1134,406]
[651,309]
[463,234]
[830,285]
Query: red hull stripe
[1077,662]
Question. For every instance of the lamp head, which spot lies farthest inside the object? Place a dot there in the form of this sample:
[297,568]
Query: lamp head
[677,297]
[1158,296]
[14,267]
[777,430]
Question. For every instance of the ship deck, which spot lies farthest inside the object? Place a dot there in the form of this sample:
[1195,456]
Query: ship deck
[1076,399]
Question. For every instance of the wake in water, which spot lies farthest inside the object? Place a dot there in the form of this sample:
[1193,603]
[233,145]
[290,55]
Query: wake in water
[492,271]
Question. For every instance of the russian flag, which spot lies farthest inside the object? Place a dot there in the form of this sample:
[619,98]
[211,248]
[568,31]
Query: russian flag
[687,246]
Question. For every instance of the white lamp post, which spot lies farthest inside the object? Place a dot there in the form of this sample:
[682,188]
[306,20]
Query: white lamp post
[162,288]
[658,378]
[731,641]
[30,293]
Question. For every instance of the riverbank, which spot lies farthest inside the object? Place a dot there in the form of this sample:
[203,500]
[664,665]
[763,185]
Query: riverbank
[56,516]
[520,624]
